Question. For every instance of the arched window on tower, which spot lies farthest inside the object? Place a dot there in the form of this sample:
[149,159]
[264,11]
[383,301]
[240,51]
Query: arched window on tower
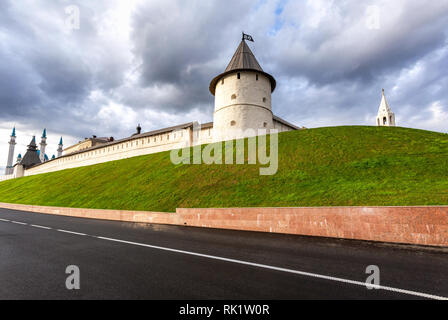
[384,120]
[238,75]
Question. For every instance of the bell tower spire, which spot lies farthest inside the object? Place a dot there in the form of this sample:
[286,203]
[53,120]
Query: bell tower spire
[385,115]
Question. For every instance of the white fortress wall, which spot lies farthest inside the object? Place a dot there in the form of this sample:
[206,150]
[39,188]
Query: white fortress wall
[6,177]
[116,151]
[206,135]
[133,147]
[282,126]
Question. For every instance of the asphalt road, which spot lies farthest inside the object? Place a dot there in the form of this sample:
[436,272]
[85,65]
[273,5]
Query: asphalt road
[120,260]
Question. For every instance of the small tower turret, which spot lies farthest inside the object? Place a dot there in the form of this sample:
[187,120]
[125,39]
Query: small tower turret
[60,145]
[43,144]
[385,115]
[12,143]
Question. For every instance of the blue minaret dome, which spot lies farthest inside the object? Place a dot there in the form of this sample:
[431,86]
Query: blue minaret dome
[13,132]
[53,157]
[60,141]
[44,134]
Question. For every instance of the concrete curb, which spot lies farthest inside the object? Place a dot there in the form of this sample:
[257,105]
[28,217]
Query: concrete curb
[424,225]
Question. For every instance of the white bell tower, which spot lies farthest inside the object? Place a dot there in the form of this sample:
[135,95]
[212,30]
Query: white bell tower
[385,115]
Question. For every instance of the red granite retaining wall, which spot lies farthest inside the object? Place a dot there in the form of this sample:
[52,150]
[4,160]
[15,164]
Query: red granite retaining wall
[412,225]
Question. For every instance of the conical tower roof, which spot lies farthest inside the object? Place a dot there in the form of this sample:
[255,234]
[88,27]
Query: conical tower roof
[32,146]
[31,156]
[384,106]
[243,59]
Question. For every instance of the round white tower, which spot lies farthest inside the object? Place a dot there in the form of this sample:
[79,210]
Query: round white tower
[242,97]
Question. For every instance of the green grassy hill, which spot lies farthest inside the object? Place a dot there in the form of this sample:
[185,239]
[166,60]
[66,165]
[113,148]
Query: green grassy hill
[337,166]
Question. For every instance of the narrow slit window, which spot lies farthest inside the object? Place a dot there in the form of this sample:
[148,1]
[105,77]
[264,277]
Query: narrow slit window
[238,75]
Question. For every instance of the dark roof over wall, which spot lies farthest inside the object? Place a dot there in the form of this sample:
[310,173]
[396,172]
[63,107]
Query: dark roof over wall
[243,60]
[286,123]
[207,125]
[95,141]
[133,137]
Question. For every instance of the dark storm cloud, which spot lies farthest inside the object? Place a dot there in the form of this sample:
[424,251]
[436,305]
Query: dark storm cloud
[337,63]
[155,66]
[186,43]
[352,51]
[47,72]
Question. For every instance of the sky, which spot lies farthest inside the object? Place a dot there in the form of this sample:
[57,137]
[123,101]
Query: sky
[151,61]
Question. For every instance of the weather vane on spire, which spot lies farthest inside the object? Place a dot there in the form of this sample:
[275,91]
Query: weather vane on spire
[247,37]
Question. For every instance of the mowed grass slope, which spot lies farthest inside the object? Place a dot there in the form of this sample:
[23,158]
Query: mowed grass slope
[335,166]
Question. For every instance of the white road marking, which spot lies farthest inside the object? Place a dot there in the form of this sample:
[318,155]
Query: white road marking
[72,232]
[42,227]
[17,222]
[302,273]
[258,265]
